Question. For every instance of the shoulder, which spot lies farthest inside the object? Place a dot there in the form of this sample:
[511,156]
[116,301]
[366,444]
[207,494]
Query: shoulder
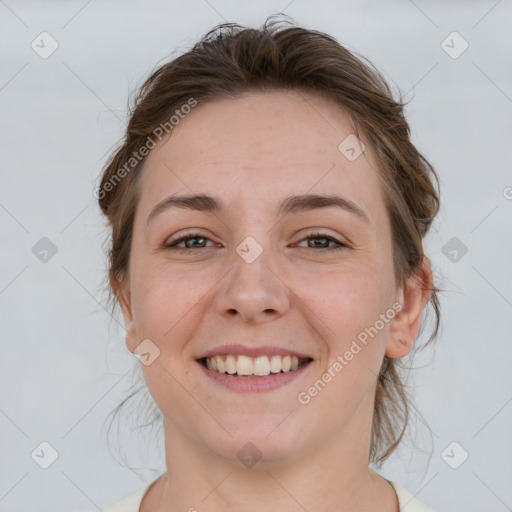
[407,502]
[130,503]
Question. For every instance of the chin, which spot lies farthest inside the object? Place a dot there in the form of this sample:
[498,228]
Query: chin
[268,441]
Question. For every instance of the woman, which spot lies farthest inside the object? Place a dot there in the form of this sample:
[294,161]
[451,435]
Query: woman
[268,210]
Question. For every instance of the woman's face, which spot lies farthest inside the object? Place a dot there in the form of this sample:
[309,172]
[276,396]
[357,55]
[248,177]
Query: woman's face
[269,272]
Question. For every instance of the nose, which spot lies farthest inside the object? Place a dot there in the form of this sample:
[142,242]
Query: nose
[253,292]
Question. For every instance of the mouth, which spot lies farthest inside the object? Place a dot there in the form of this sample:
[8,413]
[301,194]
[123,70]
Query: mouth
[260,366]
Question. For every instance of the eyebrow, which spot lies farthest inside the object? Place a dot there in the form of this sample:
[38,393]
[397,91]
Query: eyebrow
[292,204]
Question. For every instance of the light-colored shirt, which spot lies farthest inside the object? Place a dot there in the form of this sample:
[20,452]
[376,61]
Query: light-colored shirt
[131,503]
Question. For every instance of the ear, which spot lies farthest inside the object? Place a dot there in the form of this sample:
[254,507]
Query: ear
[406,324]
[122,291]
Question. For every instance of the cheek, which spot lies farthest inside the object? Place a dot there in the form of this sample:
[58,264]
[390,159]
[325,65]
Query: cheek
[167,310]
[347,313]
[349,304]
[350,299]
[168,303]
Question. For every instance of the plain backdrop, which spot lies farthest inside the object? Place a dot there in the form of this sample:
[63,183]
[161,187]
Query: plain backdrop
[64,364]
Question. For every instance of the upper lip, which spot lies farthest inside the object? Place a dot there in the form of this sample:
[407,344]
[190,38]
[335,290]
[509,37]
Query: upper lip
[237,350]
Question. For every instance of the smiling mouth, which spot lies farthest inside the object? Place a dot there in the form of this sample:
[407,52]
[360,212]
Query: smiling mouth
[261,366]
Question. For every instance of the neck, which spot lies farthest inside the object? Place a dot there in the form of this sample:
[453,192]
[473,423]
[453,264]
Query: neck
[332,475]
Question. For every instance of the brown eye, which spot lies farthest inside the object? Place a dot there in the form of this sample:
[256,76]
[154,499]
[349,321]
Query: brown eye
[322,240]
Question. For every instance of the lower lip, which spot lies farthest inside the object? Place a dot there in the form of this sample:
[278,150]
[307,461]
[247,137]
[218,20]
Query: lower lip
[254,384]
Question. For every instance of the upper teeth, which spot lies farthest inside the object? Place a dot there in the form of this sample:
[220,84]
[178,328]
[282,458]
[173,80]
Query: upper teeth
[244,365]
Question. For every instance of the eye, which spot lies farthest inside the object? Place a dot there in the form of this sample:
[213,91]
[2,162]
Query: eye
[198,241]
[324,241]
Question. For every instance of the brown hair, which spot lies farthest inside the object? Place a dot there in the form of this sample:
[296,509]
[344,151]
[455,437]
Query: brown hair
[231,59]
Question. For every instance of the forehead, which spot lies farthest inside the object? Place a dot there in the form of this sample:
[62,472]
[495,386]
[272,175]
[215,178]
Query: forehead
[260,147]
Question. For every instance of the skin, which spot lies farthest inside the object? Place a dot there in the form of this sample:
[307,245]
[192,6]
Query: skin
[251,152]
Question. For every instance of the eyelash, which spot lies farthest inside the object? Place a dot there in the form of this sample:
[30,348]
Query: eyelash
[192,235]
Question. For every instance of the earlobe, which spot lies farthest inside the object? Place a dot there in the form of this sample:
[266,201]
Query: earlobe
[406,325]
[398,347]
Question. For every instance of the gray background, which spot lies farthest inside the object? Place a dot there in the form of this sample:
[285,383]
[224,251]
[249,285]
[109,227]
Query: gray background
[64,365]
